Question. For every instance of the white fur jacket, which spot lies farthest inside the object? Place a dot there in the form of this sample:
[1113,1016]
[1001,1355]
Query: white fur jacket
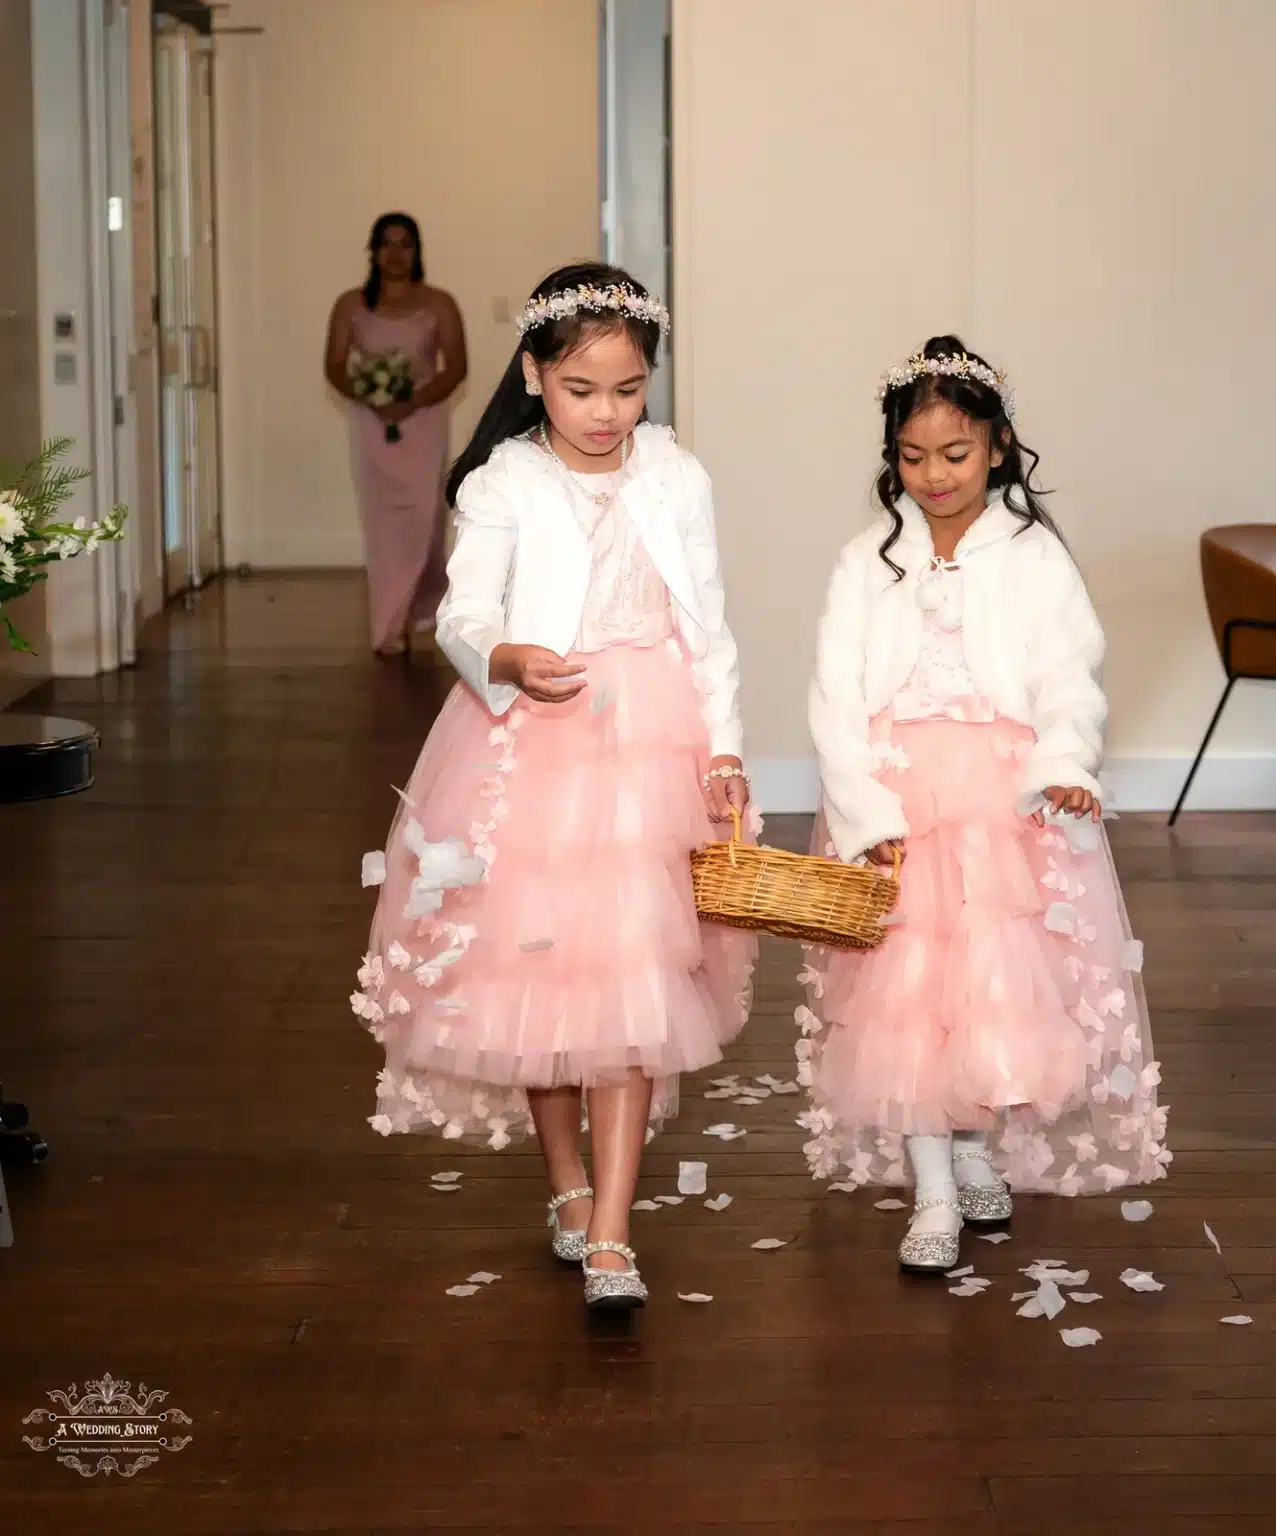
[520,570]
[1032,644]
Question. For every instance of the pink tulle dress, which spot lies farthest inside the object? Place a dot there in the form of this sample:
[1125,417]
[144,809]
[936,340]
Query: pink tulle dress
[402,507]
[557,943]
[1006,997]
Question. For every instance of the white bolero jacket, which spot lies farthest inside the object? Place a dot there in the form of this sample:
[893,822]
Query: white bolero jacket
[1032,644]
[520,570]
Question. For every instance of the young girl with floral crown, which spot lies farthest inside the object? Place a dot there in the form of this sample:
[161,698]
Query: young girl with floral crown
[999,1033]
[535,939]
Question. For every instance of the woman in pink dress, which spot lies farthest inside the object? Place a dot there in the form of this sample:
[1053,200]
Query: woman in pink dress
[399,452]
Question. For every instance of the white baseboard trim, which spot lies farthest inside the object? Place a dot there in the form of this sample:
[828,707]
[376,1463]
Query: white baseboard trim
[1227,782]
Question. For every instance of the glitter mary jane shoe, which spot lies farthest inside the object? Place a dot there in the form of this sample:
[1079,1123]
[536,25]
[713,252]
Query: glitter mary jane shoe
[612,1290]
[931,1253]
[565,1245]
[983,1205]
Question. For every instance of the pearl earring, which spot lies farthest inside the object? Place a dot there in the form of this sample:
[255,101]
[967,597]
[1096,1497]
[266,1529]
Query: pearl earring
[533,386]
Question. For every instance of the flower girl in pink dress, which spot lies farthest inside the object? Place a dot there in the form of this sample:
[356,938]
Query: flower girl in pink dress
[535,939]
[999,1033]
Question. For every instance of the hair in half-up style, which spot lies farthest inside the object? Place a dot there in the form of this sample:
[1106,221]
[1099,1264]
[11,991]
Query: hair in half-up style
[945,369]
[387,222]
[592,298]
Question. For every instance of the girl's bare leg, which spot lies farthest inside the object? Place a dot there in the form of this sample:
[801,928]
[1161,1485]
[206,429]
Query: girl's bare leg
[618,1132]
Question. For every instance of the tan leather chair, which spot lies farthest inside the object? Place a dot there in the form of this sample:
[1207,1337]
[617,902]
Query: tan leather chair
[1238,571]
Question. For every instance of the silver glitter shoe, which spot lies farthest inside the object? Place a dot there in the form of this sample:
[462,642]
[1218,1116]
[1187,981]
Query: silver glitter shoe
[983,1205]
[612,1290]
[567,1246]
[931,1252]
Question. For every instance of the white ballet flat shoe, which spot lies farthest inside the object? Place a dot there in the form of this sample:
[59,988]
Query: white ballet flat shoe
[931,1253]
[566,1244]
[613,1290]
[983,1205]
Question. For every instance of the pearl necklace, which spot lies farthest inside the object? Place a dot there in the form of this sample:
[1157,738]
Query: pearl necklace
[599,498]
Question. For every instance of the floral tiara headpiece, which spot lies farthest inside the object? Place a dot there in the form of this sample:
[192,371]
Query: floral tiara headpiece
[619,298]
[956,365]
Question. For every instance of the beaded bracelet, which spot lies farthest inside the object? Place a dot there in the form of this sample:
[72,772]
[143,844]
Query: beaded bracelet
[728,772]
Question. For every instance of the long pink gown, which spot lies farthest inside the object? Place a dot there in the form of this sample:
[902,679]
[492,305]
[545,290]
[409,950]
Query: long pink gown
[400,485]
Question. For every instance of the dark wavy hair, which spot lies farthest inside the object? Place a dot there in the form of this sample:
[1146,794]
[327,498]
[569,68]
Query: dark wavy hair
[981,404]
[512,412]
[388,221]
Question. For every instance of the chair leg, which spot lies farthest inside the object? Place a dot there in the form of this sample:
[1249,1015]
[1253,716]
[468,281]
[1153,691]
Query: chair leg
[1218,715]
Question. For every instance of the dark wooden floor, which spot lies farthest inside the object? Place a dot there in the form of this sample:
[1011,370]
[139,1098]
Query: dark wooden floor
[217,1220]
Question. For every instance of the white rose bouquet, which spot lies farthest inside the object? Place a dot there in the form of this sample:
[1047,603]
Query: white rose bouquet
[381,381]
[30,537]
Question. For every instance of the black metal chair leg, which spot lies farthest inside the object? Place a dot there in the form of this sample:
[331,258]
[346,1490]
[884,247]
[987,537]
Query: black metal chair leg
[1218,715]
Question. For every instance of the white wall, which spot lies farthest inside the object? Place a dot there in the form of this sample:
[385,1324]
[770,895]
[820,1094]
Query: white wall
[1084,190]
[477,116]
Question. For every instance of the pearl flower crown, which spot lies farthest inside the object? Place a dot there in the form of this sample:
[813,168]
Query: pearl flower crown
[955,366]
[620,298]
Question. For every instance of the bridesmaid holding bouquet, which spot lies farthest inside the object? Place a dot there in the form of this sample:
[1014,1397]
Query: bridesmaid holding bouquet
[396,352]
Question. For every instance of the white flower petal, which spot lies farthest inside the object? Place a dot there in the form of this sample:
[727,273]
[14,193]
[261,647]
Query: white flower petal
[373,872]
[1238,1320]
[461,1290]
[1136,1210]
[993,1237]
[1079,1338]
[1048,1301]
[887,1205]
[1085,1297]
[482,1277]
[1132,956]
[696,1296]
[450,1177]
[844,1188]
[644,1205]
[669,1199]
[1209,1232]
[766,1243]
[719,1202]
[1140,1280]
[693,1178]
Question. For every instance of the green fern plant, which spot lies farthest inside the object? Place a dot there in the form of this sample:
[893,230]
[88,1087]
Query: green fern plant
[31,537]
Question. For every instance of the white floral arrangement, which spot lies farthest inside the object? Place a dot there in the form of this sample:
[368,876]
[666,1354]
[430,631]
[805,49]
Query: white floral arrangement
[381,381]
[31,538]
[955,366]
[619,299]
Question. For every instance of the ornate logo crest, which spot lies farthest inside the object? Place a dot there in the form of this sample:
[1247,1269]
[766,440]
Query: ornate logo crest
[108,1429]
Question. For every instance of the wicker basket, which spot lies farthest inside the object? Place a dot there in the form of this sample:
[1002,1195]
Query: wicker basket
[792,895]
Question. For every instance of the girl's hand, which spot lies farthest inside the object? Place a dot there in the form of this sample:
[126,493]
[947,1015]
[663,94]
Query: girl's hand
[1076,802]
[884,853]
[538,673]
[722,794]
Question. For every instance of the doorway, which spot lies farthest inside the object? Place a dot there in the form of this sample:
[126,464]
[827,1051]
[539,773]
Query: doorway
[187,282]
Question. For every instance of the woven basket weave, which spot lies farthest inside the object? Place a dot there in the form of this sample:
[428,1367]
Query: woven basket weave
[792,895]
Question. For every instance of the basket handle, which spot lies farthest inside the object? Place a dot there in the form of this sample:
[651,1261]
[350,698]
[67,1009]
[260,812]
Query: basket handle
[737,837]
[897,860]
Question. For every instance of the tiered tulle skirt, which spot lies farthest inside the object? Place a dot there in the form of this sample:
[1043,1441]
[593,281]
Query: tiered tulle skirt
[578,955]
[1006,997]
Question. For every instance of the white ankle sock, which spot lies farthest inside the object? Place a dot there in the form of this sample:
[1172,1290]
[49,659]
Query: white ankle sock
[932,1162]
[973,1172]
